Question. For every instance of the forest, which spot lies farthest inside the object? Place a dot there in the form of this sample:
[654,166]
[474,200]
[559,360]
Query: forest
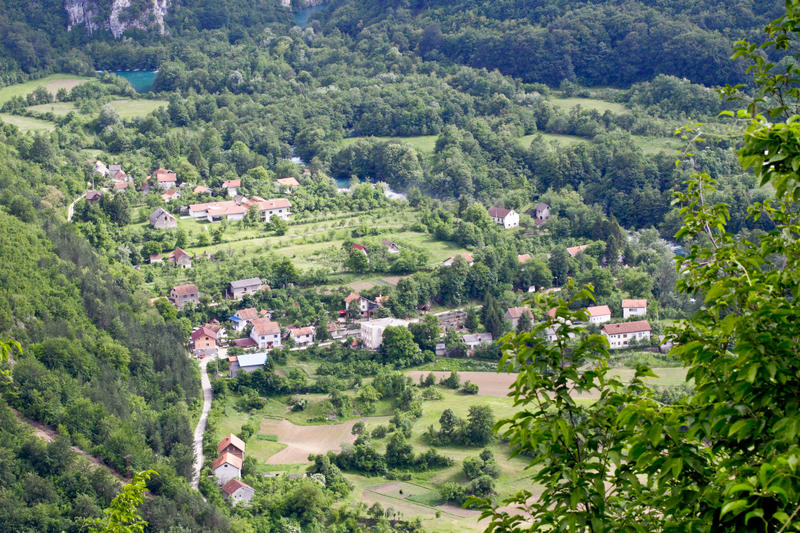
[409,119]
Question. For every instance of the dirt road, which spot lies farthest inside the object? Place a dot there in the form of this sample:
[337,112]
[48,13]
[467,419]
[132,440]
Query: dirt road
[208,396]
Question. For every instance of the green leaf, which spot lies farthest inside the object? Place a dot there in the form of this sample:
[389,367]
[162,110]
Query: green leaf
[735,507]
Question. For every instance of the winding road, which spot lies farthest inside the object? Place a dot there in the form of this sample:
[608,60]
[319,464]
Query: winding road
[71,208]
[208,395]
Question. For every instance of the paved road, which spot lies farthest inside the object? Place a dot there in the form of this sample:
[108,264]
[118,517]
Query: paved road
[208,395]
[71,208]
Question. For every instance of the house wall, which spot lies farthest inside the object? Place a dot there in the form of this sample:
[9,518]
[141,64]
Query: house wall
[628,312]
[599,319]
[242,494]
[233,450]
[267,341]
[622,340]
[226,472]
[282,212]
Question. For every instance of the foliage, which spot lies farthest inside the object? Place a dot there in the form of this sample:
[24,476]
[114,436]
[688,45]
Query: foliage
[122,515]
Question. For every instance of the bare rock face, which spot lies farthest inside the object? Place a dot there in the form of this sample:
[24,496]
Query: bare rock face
[92,15]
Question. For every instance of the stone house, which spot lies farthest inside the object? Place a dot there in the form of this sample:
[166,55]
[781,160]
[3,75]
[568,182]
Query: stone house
[231,444]
[238,491]
[237,289]
[513,314]
[226,467]
[161,219]
[181,295]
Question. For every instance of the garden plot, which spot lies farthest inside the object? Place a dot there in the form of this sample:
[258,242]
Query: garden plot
[304,440]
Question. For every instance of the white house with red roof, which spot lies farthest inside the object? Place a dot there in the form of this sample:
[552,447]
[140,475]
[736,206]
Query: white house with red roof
[204,340]
[231,444]
[232,186]
[238,491]
[266,333]
[166,179]
[366,306]
[226,467]
[302,336]
[599,314]
[278,207]
[632,308]
[508,218]
[622,334]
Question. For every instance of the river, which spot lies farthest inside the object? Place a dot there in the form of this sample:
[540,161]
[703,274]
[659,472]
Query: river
[141,80]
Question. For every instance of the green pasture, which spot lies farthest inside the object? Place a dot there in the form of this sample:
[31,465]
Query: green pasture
[27,124]
[52,83]
[129,108]
[423,143]
[58,109]
[601,106]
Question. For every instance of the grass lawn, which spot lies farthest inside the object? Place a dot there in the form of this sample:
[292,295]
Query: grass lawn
[565,104]
[653,145]
[563,140]
[667,377]
[27,124]
[52,83]
[58,109]
[423,143]
[128,108]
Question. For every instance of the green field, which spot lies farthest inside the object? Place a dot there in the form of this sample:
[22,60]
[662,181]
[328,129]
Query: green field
[423,143]
[129,108]
[565,104]
[58,109]
[27,124]
[52,83]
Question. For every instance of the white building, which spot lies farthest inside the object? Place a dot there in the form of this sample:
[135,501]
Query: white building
[238,491]
[473,340]
[598,314]
[634,308]
[270,208]
[372,330]
[303,336]
[266,333]
[226,467]
[508,218]
[620,335]
[232,186]
[248,362]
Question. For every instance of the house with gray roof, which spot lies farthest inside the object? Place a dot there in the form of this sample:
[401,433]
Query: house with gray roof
[239,288]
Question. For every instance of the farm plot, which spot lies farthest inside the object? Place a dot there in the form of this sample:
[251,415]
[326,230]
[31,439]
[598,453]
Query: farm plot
[490,383]
[304,440]
[27,124]
[52,83]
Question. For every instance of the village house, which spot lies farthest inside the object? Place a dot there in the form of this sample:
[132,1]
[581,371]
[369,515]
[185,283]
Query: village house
[243,317]
[634,308]
[523,258]
[575,250]
[266,333]
[232,186]
[200,189]
[101,168]
[231,444]
[181,295]
[473,340]
[508,218]
[541,213]
[467,257]
[122,185]
[391,247]
[360,248]
[234,210]
[287,184]
[372,331]
[622,334]
[598,314]
[204,341]
[238,492]
[365,306]
[154,258]
[180,258]
[247,362]
[226,467]
[161,219]
[267,209]
[302,336]
[513,314]
[237,289]
[166,179]
[170,195]
[452,319]
[93,196]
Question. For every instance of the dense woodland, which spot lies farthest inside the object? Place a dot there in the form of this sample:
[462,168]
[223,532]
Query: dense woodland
[246,90]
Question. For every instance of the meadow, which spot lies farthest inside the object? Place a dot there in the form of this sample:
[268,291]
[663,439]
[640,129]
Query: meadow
[52,83]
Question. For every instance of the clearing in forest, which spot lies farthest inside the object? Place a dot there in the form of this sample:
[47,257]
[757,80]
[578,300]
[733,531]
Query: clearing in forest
[52,83]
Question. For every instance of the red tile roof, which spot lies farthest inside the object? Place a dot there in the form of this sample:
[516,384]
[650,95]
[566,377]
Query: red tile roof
[231,439]
[516,312]
[264,326]
[229,458]
[299,332]
[246,342]
[231,183]
[524,258]
[233,485]
[273,204]
[598,310]
[352,296]
[203,331]
[575,250]
[288,182]
[626,327]
[634,303]
[247,314]
[498,212]
[200,189]
[188,288]
[359,247]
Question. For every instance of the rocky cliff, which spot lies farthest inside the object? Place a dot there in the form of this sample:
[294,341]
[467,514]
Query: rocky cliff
[117,16]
